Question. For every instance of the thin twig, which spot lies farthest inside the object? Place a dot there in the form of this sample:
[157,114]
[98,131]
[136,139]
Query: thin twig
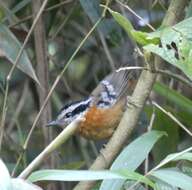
[135,14]
[29,17]
[64,21]
[151,120]
[107,52]
[176,76]
[173,118]
[166,161]
[58,5]
[17,163]
[149,128]
[160,71]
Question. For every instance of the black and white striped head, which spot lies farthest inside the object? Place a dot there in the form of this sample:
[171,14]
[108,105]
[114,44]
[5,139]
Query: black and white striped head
[107,97]
[70,112]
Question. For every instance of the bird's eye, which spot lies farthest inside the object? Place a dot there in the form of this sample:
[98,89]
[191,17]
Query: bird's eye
[68,114]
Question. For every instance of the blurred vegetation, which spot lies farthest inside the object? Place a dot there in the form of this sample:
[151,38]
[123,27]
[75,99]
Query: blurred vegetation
[66,23]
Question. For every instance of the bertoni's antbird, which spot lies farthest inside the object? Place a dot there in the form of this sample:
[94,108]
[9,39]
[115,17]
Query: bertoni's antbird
[103,109]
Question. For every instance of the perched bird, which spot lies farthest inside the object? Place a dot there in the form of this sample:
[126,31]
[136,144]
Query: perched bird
[103,109]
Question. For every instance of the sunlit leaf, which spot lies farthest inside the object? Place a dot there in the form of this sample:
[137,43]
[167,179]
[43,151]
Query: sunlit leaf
[140,37]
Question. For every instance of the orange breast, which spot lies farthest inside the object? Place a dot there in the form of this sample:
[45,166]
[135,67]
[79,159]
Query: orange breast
[100,122]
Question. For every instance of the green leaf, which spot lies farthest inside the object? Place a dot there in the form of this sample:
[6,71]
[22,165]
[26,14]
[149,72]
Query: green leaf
[143,39]
[122,21]
[176,45]
[1,13]
[10,47]
[72,175]
[5,181]
[140,37]
[86,175]
[178,156]
[132,157]
[174,178]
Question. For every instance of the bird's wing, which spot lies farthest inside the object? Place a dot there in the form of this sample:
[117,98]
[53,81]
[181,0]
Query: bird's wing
[115,86]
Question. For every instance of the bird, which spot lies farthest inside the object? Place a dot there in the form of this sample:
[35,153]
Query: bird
[102,110]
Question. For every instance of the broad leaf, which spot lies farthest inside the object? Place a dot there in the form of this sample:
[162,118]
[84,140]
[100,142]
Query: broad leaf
[72,175]
[10,47]
[86,175]
[176,45]
[132,157]
[174,178]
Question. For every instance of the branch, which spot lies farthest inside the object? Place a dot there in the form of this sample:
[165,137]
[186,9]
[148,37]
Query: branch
[42,68]
[57,142]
